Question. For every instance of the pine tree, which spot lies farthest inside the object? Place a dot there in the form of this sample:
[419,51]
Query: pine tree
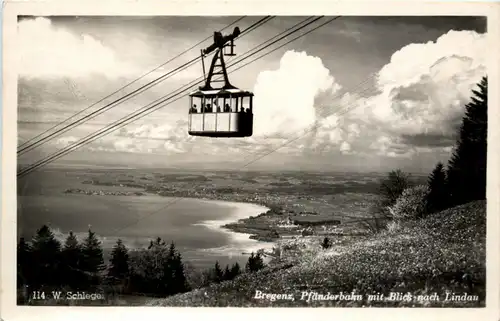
[218,274]
[46,251]
[235,270]
[168,271]
[71,258]
[24,263]
[255,262]
[466,174]
[118,270]
[227,274]
[437,198]
[173,278]
[92,260]
[180,284]
[250,263]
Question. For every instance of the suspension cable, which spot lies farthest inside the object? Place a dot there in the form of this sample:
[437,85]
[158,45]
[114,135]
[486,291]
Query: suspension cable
[133,93]
[130,83]
[120,123]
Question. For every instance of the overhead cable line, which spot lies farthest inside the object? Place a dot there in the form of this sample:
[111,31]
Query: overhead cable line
[239,167]
[133,93]
[149,109]
[175,200]
[130,83]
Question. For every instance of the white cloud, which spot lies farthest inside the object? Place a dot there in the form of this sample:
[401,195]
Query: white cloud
[145,138]
[421,96]
[49,51]
[425,86]
[345,147]
[285,98]
[382,144]
[421,91]
[389,146]
[353,130]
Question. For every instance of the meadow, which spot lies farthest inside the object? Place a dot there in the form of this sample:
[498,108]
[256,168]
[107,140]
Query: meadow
[442,254]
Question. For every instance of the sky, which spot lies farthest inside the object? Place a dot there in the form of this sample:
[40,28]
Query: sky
[358,94]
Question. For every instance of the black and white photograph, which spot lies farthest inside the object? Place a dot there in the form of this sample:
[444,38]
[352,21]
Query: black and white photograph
[252,160]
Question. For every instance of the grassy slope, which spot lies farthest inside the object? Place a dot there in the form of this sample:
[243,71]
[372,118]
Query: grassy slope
[443,252]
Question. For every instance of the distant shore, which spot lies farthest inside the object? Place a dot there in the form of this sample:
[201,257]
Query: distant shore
[233,225]
[276,221]
[102,193]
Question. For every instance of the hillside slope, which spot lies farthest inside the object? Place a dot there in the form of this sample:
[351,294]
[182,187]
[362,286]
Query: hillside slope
[444,252]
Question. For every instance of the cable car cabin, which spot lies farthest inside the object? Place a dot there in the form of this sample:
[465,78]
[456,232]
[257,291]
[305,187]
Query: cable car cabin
[225,111]
[221,113]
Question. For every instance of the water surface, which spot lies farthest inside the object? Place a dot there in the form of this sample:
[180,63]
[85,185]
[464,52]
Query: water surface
[193,224]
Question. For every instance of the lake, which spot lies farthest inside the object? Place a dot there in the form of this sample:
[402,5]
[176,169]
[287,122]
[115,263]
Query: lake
[193,224]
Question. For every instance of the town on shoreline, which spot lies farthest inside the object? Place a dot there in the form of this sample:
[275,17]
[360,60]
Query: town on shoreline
[278,222]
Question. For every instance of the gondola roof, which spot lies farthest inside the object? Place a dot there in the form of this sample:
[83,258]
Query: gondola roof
[233,92]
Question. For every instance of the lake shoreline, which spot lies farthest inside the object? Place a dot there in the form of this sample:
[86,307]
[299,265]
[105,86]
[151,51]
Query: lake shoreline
[277,220]
[243,211]
[231,225]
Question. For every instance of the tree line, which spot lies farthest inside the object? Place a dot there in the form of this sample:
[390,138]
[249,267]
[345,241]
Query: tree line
[463,180]
[465,177]
[158,270]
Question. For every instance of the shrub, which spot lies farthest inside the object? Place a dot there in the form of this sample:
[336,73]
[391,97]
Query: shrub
[392,186]
[411,204]
[196,278]
[326,244]
[390,189]
[307,231]
[393,226]
[159,270]
[380,215]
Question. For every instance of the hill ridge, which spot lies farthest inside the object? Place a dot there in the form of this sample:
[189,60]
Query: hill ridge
[443,252]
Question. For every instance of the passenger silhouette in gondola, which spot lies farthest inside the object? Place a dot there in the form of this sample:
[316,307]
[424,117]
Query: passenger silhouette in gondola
[227,108]
[194,109]
[208,109]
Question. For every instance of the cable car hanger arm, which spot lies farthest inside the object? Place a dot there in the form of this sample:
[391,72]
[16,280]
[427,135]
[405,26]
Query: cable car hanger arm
[220,42]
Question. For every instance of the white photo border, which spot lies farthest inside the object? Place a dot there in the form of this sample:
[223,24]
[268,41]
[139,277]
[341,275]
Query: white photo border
[11,9]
